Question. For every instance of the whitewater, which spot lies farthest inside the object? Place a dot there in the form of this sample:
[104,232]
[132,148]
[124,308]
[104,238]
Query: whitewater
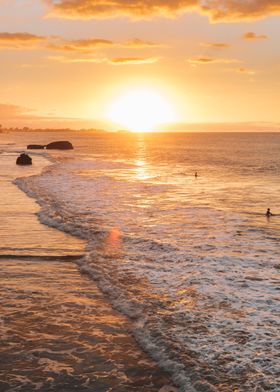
[194,262]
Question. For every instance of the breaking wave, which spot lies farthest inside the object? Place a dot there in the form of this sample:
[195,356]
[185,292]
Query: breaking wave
[199,282]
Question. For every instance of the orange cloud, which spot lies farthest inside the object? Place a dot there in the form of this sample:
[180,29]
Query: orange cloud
[83,45]
[210,60]
[103,8]
[246,71]
[216,9]
[139,43]
[240,10]
[114,61]
[216,45]
[251,36]
[133,60]
[19,40]
[73,60]
[90,44]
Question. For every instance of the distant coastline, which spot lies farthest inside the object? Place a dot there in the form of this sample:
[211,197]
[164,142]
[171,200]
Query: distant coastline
[249,126]
[27,130]
[246,127]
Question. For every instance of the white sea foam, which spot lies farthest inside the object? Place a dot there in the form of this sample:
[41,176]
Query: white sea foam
[198,277]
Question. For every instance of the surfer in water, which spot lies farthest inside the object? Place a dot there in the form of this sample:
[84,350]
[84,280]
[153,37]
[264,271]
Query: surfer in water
[268,213]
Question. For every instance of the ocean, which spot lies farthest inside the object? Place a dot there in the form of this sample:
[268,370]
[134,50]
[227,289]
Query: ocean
[192,261]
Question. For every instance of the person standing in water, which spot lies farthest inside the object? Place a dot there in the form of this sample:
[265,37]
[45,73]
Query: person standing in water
[268,213]
[195,174]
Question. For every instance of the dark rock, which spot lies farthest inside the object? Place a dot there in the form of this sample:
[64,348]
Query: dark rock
[35,147]
[204,386]
[61,145]
[24,159]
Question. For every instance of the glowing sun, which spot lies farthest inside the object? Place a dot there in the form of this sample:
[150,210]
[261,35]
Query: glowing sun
[141,110]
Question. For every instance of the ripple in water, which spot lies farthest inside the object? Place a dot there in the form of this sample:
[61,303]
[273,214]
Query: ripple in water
[181,256]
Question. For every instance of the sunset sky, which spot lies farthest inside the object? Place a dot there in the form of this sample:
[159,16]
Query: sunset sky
[75,62]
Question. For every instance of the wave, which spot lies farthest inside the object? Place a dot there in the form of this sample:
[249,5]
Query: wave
[194,308]
[56,214]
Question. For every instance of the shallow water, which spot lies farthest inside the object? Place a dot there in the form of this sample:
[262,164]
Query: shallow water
[194,261]
[59,334]
[20,233]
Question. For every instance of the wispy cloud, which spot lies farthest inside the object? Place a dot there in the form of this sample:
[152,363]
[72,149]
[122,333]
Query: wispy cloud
[90,44]
[137,43]
[210,60]
[99,60]
[73,60]
[246,71]
[19,40]
[133,60]
[251,36]
[216,45]
[83,45]
[215,9]
[23,40]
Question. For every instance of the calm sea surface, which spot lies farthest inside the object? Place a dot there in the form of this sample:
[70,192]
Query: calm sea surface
[193,261]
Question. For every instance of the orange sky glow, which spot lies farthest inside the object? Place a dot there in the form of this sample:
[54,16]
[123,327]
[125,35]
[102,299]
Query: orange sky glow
[139,65]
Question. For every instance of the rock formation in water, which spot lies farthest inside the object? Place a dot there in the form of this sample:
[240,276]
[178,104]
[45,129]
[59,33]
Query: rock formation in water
[35,147]
[24,159]
[60,145]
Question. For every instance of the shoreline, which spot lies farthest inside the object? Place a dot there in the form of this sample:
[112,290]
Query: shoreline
[61,334]
[47,302]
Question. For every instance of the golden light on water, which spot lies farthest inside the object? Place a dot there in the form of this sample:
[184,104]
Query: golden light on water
[141,110]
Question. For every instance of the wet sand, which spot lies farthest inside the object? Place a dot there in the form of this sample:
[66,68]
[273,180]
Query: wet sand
[60,334]
[20,231]
[58,331]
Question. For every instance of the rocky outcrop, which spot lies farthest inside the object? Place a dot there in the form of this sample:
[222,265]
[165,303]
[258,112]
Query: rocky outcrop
[60,145]
[24,159]
[35,147]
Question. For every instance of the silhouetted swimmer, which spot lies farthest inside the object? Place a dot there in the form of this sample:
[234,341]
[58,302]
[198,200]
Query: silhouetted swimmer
[268,213]
[195,174]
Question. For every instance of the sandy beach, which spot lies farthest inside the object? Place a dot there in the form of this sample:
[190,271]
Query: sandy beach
[60,334]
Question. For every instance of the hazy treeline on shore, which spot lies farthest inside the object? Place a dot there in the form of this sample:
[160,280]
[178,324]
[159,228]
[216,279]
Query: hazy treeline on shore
[27,129]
